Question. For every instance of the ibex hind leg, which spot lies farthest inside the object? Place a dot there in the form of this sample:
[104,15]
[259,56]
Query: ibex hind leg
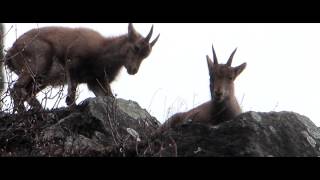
[39,70]
[33,90]
[26,89]
[19,92]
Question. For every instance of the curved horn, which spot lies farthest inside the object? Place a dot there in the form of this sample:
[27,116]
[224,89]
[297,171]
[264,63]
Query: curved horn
[215,59]
[231,57]
[149,35]
[155,40]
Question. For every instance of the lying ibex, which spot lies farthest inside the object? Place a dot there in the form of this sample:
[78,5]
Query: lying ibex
[59,55]
[223,105]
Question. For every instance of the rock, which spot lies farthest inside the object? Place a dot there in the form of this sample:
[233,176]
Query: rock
[110,127]
[100,126]
[250,134]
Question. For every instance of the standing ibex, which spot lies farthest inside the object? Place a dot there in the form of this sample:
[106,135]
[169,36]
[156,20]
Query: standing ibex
[223,105]
[59,55]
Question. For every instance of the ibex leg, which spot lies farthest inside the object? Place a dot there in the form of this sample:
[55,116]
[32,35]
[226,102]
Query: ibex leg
[72,86]
[100,88]
[19,93]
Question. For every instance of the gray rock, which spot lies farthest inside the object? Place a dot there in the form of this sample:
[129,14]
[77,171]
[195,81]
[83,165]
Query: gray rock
[115,127]
[250,134]
[98,125]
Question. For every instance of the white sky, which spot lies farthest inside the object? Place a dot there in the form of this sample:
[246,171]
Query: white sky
[281,74]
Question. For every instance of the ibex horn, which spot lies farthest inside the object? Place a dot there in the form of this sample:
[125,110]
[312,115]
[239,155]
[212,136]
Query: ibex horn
[231,57]
[155,40]
[215,59]
[149,35]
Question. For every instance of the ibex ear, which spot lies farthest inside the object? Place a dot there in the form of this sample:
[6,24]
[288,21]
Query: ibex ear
[132,34]
[240,68]
[210,65]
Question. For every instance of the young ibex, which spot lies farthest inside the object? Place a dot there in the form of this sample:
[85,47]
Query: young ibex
[59,55]
[223,105]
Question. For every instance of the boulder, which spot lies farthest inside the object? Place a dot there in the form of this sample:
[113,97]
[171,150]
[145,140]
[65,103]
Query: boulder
[100,126]
[273,134]
[109,127]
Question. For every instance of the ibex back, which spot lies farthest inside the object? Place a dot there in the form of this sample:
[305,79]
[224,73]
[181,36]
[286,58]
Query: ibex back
[223,105]
[59,55]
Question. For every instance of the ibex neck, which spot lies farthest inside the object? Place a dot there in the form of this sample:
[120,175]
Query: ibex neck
[114,53]
[226,110]
[114,48]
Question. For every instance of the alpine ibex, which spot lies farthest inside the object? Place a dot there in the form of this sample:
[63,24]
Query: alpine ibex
[223,105]
[59,55]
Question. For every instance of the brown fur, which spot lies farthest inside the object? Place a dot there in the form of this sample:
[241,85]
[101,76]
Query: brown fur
[59,55]
[223,105]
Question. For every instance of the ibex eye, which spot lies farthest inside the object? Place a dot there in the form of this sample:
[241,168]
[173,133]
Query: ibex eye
[136,48]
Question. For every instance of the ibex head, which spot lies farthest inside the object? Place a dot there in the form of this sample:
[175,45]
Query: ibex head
[137,48]
[222,77]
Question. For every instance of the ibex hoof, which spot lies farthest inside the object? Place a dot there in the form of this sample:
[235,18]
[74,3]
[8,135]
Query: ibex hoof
[70,101]
[19,109]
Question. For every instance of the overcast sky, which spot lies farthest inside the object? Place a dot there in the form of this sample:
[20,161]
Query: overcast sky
[281,75]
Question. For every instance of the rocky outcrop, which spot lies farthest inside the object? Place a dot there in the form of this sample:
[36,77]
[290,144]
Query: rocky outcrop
[250,134]
[116,127]
[98,127]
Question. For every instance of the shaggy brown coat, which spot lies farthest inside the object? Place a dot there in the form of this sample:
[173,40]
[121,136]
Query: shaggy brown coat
[59,55]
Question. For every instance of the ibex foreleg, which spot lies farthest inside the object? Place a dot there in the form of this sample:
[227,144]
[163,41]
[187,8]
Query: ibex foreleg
[100,88]
[72,86]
